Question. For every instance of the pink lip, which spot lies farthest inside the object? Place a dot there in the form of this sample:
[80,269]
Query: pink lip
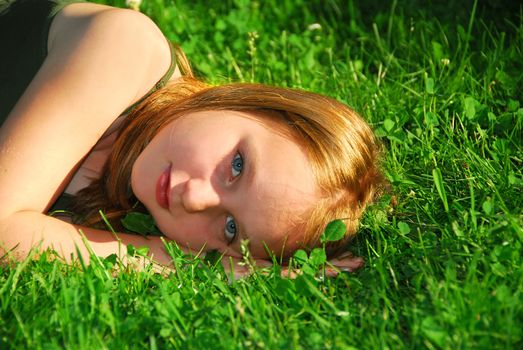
[162,188]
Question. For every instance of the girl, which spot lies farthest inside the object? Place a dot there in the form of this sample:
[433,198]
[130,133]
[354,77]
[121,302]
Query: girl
[100,112]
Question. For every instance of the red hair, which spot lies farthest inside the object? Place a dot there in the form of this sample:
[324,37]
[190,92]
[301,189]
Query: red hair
[342,148]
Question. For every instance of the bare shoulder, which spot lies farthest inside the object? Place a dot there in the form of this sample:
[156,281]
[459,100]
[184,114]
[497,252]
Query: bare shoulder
[130,42]
[100,61]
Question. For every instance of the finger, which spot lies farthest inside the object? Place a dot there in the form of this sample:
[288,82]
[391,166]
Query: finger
[237,268]
[286,272]
[349,265]
[344,255]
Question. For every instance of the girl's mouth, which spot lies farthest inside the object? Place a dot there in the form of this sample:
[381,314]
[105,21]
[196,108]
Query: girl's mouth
[162,188]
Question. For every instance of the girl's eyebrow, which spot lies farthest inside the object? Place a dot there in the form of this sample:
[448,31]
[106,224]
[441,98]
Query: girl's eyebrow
[251,157]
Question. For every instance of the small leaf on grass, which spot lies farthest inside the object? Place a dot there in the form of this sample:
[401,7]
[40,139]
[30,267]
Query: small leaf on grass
[398,136]
[140,223]
[388,124]
[300,256]
[403,227]
[438,181]
[308,270]
[110,260]
[470,107]
[302,287]
[512,179]
[434,332]
[285,288]
[431,119]
[498,269]
[165,332]
[317,257]
[334,231]
[437,50]
[503,294]
[512,105]
[457,230]
[487,207]
[380,132]
[142,251]
[130,250]
[429,86]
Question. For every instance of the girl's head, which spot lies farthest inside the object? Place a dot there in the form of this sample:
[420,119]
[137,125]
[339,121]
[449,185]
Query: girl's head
[324,155]
[317,160]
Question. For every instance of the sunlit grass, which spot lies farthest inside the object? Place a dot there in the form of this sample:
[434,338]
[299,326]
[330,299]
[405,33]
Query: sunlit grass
[442,86]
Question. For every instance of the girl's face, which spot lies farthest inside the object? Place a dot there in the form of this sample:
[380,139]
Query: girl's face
[214,178]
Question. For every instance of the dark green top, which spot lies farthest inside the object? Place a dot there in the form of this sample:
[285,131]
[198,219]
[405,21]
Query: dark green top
[24,28]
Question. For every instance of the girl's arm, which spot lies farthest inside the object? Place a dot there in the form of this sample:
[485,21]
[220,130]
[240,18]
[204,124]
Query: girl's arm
[100,61]
[38,230]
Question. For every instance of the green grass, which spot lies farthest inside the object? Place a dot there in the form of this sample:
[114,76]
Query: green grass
[442,84]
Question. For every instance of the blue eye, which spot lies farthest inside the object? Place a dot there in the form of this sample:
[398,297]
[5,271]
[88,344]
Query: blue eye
[237,165]
[230,228]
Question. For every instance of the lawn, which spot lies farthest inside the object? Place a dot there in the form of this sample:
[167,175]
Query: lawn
[442,84]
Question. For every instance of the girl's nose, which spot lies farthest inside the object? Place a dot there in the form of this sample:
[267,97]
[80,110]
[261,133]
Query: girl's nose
[199,195]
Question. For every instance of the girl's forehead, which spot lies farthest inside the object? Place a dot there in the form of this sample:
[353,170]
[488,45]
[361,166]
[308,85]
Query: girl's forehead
[272,120]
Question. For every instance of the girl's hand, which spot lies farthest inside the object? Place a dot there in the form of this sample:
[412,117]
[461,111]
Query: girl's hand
[346,262]
[238,268]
